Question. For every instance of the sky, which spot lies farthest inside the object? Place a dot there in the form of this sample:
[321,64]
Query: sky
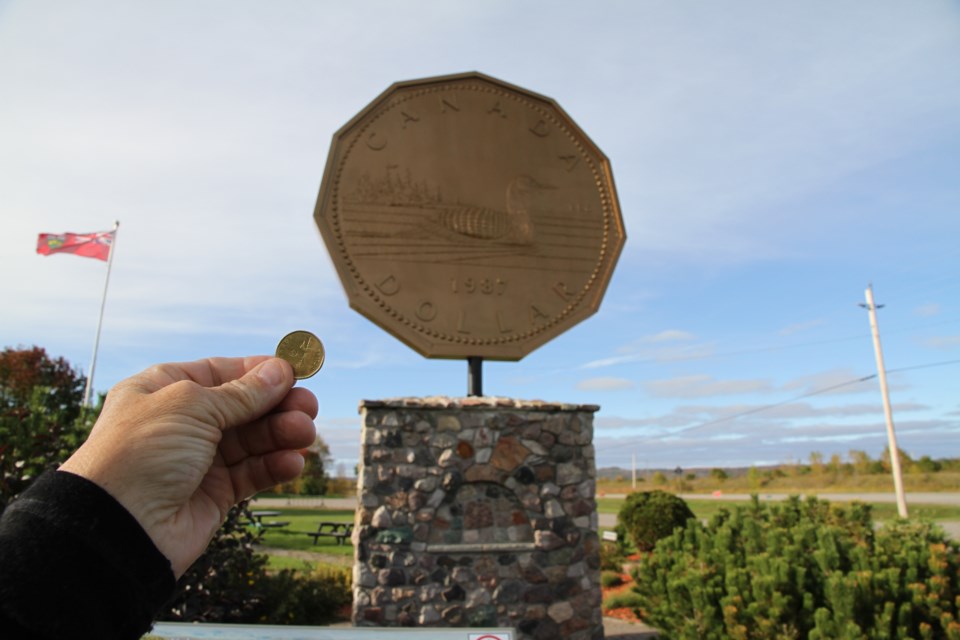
[772,160]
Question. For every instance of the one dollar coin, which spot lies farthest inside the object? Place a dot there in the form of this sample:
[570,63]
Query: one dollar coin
[303,351]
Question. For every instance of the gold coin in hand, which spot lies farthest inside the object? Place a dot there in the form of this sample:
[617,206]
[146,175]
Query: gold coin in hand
[303,351]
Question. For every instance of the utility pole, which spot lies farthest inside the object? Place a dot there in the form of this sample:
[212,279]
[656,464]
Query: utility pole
[634,474]
[888,412]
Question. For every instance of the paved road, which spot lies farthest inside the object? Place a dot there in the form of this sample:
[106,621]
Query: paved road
[305,503]
[952,499]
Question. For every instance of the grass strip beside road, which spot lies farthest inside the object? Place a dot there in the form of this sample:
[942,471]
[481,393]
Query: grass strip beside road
[882,511]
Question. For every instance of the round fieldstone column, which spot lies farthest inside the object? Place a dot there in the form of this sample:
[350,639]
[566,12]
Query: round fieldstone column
[478,512]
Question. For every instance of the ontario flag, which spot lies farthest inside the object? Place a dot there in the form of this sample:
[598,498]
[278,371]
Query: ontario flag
[89,245]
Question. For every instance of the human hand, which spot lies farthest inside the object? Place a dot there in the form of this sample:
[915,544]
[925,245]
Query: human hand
[179,444]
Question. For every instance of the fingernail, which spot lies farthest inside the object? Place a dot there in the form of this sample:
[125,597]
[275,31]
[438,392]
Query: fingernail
[271,372]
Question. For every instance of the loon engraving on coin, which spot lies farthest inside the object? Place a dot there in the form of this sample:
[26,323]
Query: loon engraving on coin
[469,217]
[303,351]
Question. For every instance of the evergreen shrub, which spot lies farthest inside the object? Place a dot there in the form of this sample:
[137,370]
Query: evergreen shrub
[802,569]
[648,516]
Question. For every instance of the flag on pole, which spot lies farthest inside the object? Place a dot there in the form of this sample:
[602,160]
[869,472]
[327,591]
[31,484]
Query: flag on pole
[89,245]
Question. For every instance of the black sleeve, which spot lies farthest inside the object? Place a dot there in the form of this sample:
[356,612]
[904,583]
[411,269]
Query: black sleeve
[75,564]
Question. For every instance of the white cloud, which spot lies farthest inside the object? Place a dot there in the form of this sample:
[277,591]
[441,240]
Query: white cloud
[800,327]
[669,335]
[846,381]
[700,386]
[605,384]
[342,437]
[726,437]
[927,310]
[836,437]
[642,343]
[658,347]
[668,421]
[942,342]
[608,362]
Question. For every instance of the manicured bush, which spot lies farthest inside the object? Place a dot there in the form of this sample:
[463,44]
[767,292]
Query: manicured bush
[610,579]
[293,597]
[611,556]
[801,569]
[648,516]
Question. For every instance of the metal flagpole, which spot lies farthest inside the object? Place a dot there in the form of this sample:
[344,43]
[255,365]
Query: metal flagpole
[103,303]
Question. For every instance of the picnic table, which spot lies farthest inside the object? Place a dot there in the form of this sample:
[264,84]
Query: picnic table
[340,531]
[258,517]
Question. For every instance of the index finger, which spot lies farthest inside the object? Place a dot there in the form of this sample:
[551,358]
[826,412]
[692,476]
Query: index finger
[209,372]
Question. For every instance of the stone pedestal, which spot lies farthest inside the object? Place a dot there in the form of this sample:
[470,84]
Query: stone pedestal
[478,512]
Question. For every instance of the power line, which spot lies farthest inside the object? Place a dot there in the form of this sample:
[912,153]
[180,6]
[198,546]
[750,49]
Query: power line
[783,402]
[767,407]
[924,366]
[758,409]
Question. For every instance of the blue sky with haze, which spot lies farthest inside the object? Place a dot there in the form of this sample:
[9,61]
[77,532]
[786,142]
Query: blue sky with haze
[771,159]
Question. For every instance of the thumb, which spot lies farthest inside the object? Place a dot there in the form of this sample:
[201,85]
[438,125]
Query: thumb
[254,394]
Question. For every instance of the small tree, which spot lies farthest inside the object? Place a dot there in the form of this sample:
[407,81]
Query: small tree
[315,479]
[926,465]
[861,461]
[755,478]
[719,474]
[816,462]
[835,465]
[648,516]
[41,418]
[905,460]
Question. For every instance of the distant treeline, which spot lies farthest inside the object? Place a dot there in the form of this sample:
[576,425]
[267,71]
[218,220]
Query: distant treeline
[855,462]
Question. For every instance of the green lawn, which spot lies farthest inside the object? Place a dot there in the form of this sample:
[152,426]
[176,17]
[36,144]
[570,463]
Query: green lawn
[279,563]
[303,521]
